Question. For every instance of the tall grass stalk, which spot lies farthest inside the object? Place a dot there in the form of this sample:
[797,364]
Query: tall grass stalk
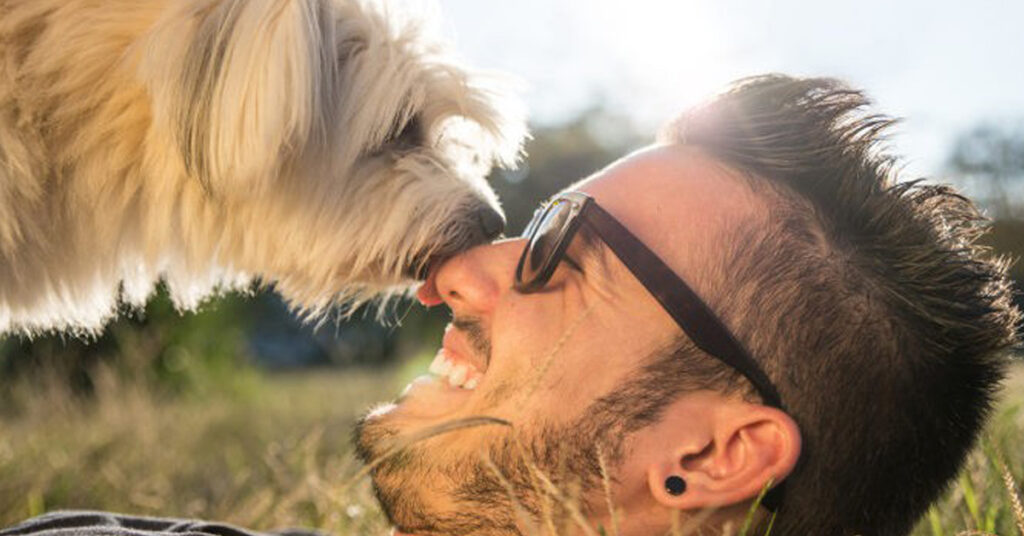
[607,484]
[1011,489]
[522,517]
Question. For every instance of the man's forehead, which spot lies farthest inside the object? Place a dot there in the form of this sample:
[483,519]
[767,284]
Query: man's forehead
[676,200]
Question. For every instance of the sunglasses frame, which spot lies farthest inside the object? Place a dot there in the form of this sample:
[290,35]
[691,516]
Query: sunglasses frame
[550,264]
[676,297]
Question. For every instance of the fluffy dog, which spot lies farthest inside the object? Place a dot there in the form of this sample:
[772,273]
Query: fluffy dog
[325,146]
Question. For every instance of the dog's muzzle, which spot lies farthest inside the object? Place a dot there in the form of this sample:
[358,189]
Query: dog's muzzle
[492,223]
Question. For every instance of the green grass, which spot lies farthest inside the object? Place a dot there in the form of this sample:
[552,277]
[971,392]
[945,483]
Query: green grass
[275,455]
[986,498]
[274,451]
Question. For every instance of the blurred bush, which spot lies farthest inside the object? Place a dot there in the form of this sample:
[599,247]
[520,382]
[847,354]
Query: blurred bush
[989,160]
[157,347]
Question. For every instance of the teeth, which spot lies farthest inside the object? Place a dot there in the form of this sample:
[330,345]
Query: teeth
[458,375]
[440,366]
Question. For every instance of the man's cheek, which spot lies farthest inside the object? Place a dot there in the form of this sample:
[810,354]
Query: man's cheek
[505,383]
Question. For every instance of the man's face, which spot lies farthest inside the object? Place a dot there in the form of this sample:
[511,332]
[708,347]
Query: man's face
[564,366]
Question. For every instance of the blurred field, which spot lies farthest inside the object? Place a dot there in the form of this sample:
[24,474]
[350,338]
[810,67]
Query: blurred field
[269,452]
[273,451]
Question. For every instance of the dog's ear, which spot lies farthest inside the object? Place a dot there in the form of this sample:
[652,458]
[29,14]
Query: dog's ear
[242,86]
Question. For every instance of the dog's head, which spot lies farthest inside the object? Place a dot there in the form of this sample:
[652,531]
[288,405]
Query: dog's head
[341,145]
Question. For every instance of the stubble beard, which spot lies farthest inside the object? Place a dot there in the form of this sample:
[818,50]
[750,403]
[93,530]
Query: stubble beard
[491,493]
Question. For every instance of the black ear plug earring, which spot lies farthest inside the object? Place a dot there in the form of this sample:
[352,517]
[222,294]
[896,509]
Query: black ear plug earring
[675,485]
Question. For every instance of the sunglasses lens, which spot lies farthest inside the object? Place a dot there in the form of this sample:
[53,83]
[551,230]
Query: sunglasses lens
[547,232]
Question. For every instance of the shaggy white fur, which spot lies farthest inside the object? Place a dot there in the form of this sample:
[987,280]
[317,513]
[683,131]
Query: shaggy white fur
[329,147]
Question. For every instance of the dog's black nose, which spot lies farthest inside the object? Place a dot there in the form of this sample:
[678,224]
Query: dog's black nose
[491,222]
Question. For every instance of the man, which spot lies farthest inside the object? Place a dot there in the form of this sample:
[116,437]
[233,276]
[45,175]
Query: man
[751,303]
[812,326]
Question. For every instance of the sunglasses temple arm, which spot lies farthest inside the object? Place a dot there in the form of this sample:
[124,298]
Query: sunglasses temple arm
[681,302]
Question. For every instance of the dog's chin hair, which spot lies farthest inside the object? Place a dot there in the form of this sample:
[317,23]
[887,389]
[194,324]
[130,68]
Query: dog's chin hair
[321,147]
[384,249]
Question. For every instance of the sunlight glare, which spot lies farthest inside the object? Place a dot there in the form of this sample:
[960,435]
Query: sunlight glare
[670,52]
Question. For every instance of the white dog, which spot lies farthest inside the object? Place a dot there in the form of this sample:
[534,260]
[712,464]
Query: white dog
[324,146]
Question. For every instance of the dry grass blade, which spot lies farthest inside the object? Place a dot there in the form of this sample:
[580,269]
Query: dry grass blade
[693,523]
[405,441]
[606,480]
[566,502]
[520,512]
[675,529]
[546,504]
[1011,488]
[569,505]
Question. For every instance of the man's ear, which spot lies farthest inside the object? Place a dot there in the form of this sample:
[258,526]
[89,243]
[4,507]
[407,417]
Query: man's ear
[740,448]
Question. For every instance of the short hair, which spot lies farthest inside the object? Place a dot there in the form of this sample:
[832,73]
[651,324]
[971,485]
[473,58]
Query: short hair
[866,298]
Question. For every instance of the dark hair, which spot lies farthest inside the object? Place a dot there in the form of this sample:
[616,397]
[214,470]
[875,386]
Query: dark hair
[865,298]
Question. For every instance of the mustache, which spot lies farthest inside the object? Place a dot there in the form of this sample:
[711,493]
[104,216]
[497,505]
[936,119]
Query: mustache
[476,335]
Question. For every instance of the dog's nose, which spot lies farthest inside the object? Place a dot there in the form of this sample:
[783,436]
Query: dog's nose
[491,222]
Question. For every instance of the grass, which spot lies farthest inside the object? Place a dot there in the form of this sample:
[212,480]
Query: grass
[986,498]
[271,455]
[274,451]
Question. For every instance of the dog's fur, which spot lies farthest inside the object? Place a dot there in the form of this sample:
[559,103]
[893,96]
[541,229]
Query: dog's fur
[325,146]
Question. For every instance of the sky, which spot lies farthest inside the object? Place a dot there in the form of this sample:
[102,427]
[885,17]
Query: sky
[942,66]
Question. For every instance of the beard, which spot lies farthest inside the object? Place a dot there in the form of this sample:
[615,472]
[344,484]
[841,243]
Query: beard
[525,474]
[422,491]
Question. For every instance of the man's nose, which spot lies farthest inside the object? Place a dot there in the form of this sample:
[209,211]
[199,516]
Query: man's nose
[472,281]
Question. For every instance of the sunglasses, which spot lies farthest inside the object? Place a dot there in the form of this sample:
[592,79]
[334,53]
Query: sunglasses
[551,231]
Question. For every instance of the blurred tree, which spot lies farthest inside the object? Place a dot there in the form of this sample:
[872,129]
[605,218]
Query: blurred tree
[157,348]
[990,158]
[989,161]
[559,155]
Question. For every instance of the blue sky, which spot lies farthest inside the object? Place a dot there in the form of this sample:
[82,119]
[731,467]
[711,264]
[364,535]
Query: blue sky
[943,66]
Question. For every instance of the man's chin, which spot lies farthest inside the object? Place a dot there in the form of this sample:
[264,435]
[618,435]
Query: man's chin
[427,400]
[415,487]
[422,404]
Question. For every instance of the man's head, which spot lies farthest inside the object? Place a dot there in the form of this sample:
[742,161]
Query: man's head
[865,301]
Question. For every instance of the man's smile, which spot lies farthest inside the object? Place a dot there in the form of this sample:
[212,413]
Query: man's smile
[456,363]
[454,375]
